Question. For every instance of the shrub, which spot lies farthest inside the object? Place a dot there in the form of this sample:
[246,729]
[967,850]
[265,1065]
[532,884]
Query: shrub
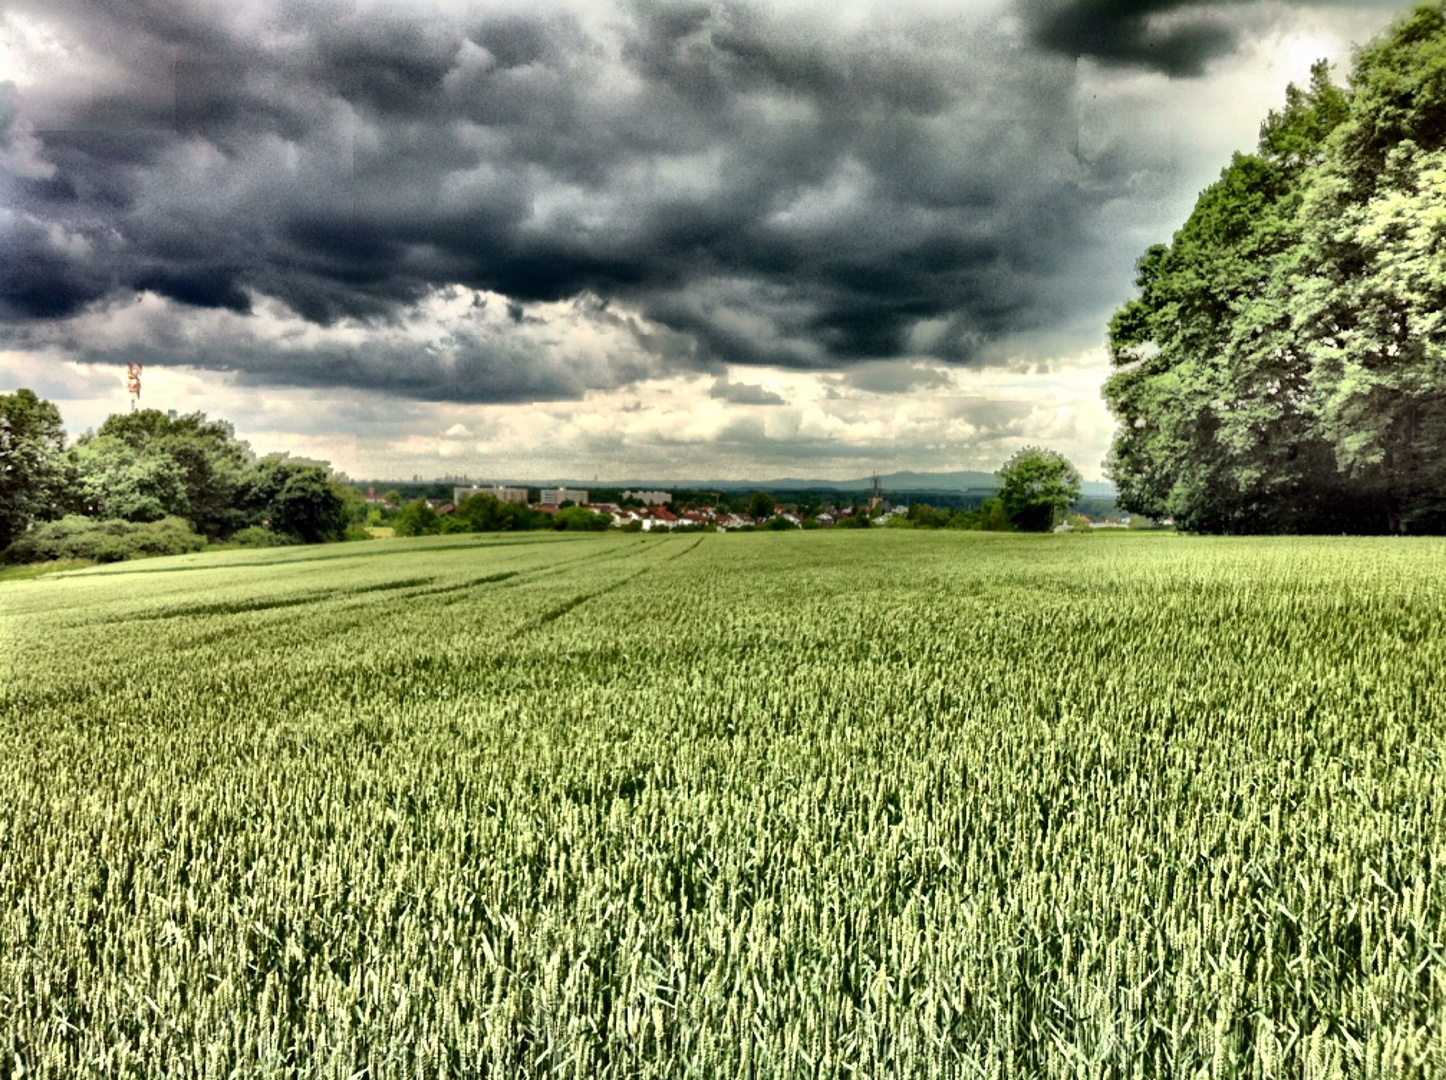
[578,519]
[258,536]
[993,517]
[416,519]
[75,537]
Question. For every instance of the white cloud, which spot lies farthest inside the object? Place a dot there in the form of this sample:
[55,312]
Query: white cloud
[668,428]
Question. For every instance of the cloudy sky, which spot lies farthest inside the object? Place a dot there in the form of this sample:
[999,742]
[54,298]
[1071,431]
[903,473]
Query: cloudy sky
[642,239]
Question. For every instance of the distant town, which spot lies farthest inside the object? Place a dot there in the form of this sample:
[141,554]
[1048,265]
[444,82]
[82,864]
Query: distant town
[688,509]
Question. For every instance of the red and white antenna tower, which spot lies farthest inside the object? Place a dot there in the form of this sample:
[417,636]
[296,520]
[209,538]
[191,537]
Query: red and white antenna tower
[133,383]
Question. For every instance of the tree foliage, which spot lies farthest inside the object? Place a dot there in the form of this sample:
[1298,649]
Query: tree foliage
[1037,487]
[415,519]
[1283,368]
[211,461]
[149,467]
[296,499]
[32,465]
[77,537]
[145,465]
[487,513]
[580,519]
[115,480]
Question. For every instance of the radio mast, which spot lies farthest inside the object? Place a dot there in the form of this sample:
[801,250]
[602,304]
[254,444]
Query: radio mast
[133,383]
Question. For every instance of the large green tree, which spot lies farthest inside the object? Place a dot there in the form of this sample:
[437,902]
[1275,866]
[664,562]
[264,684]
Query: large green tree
[1037,487]
[117,481]
[146,464]
[1282,367]
[1212,387]
[33,474]
[1371,309]
[295,499]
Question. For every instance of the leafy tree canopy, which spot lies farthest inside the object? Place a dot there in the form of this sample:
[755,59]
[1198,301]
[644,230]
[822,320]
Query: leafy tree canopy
[1037,486]
[295,499]
[416,519]
[580,519]
[149,467]
[993,517]
[1283,368]
[760,505]
[487,513]
[32,464]
[143,465]
[115,480]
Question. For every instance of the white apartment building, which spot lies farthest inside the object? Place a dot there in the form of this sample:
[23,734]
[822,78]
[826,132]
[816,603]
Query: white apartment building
[558,496]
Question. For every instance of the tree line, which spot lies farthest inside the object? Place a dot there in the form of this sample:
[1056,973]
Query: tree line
[484,512]
[149,482]
[1283,368]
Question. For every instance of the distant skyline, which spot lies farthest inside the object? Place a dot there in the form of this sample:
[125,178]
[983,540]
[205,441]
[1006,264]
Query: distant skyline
[661,240]
[906,482]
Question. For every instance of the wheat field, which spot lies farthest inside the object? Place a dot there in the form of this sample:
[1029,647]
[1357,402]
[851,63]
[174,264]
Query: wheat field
[828,804]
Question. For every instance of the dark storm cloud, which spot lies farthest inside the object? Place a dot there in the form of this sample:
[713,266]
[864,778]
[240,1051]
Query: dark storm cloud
[765,189]
[465,353]
[471,369]
[1177,37]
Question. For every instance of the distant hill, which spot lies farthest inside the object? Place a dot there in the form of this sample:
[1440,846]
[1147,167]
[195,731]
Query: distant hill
[898,481]
[917,481]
